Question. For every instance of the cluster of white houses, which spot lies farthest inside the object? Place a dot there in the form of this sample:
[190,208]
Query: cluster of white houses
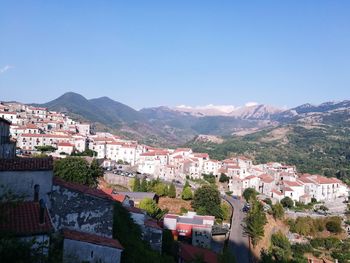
[32,127]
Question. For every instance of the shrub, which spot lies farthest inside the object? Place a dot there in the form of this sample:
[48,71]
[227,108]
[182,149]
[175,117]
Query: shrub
[287,202]
[249,194]
[333,226]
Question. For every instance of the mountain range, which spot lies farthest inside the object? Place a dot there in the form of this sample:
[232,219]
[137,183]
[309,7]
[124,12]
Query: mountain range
[167,126]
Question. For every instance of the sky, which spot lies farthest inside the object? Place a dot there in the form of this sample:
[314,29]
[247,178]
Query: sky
[184,52]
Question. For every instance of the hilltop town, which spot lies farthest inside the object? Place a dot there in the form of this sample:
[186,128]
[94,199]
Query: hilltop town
[33,137]
[33,128]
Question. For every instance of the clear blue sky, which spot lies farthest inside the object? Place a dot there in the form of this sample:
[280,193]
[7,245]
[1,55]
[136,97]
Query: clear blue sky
[151,53]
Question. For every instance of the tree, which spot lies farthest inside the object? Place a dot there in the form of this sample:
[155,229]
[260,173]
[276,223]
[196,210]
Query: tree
[226,256]
[186,193]
[287,202]
[160,189]
[280,247]
[187,184]
[334,226]
[45,148]
[207,201]
[168,243]
[277,211]
[129,235]
[152,209]
[96,169]
[172,191]
[76,170]
[250,193]
[137,186]
[255,222]
[144,187]
[225,208]
[223,178]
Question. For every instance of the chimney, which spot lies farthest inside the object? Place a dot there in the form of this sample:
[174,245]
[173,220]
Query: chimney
[36,192]
[42,208]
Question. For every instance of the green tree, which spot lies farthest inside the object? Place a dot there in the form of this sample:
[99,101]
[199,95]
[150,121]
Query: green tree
[255,222]
[172,191]
[207,201]
[160,189]
[250,193]
[152,209]
[129,235]
[280,247]
[144,187]
[76,170]
[287,202]
[226,256]
[96,169]
[226,211]
[223,178]
[187,184]
[45,148]
[334,226]
[277,211]
[137,186]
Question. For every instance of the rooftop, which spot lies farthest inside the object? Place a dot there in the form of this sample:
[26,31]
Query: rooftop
[82,188]
[190,253]
[26,164]
[22,219]
[91,238]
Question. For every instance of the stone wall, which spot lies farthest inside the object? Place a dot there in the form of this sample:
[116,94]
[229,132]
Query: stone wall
[82,212]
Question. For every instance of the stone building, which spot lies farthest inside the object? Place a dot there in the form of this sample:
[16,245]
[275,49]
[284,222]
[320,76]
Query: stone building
[81,208]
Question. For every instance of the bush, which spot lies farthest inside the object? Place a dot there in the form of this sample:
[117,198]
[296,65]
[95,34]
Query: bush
[333,226]
[287,202]
[250,194]
[277,211]
[224,178]
[187,193]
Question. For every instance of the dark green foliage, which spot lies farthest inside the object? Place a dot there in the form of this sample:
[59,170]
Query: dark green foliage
[45,148]
[280,247]
[77,170]
[287,202]
[144,185]
[255,222]
[206,201]
[87,152]
[172,191]
[168,245]
[129,235]
[268,201]
[223,178]
[226,256]
[209,178]
[307,226]
[334,226]
[277,211]
[14,250]
[136,187]
[250,194]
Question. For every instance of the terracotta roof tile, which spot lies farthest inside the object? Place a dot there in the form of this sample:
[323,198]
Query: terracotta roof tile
[81,188]
[91,238]
[22,219]
[189,253]
[26,164]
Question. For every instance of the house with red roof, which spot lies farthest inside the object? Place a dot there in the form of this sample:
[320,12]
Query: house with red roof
[191,226]
[28,221]
[188,253]
[88,247]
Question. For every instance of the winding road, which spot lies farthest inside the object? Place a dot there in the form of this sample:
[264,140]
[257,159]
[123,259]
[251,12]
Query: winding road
[238,241]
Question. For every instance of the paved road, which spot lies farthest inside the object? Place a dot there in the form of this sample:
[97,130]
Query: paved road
[238,241]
